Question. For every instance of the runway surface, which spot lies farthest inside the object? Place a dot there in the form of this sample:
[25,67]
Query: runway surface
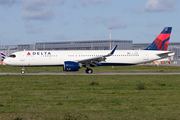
[70,73]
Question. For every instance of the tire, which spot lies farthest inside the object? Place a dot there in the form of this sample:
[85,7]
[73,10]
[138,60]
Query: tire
[89,71]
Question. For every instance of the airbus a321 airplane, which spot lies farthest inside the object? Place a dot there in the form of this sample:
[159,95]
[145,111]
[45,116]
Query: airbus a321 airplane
[75,59]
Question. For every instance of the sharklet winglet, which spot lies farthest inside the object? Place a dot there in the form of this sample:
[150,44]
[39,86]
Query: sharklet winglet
[112,52]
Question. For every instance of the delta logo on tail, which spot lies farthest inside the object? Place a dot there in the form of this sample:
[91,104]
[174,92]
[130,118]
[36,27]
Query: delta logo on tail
[162,40]
[3,55]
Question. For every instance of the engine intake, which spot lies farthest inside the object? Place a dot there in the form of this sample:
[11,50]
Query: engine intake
[71,66]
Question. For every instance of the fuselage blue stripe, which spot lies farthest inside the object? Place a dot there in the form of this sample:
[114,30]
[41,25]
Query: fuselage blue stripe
[164,43]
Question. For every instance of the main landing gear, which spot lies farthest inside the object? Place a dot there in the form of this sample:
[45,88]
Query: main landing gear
[23,70]
[89,71]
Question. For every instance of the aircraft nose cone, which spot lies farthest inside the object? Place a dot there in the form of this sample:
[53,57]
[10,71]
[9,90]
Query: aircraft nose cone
[5,61]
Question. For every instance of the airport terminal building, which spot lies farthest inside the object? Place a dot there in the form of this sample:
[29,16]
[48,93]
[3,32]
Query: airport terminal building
[88,45]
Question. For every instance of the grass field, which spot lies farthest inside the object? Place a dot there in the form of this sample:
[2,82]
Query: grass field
[135,68]
[90,97]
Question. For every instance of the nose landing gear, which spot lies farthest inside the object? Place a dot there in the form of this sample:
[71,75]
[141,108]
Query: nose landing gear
[23,70]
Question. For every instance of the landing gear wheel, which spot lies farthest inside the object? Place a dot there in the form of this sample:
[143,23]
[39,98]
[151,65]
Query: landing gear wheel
[23,70]
[89,71]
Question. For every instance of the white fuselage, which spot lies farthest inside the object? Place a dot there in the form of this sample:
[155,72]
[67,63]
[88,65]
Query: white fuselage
[57,58]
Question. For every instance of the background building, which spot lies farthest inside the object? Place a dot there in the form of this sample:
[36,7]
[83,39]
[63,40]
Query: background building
[85,45]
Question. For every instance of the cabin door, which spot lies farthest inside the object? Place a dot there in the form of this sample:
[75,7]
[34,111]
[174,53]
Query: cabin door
[22,58]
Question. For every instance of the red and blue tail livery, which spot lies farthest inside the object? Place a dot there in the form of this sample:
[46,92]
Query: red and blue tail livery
[3,55]
[162,40]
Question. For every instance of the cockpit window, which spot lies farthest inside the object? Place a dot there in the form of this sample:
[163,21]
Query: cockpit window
[12,56]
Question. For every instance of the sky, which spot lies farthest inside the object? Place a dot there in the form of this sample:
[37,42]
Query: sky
[31,21]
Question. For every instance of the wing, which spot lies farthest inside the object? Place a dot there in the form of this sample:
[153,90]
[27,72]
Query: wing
[96,60]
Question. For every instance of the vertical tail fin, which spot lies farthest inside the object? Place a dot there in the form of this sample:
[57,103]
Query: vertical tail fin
[3,55]
[162,40]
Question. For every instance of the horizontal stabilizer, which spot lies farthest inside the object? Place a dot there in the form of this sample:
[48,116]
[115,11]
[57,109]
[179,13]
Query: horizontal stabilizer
[164,55]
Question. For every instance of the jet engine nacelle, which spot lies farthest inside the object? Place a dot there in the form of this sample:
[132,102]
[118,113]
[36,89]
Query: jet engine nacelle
[71,66]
